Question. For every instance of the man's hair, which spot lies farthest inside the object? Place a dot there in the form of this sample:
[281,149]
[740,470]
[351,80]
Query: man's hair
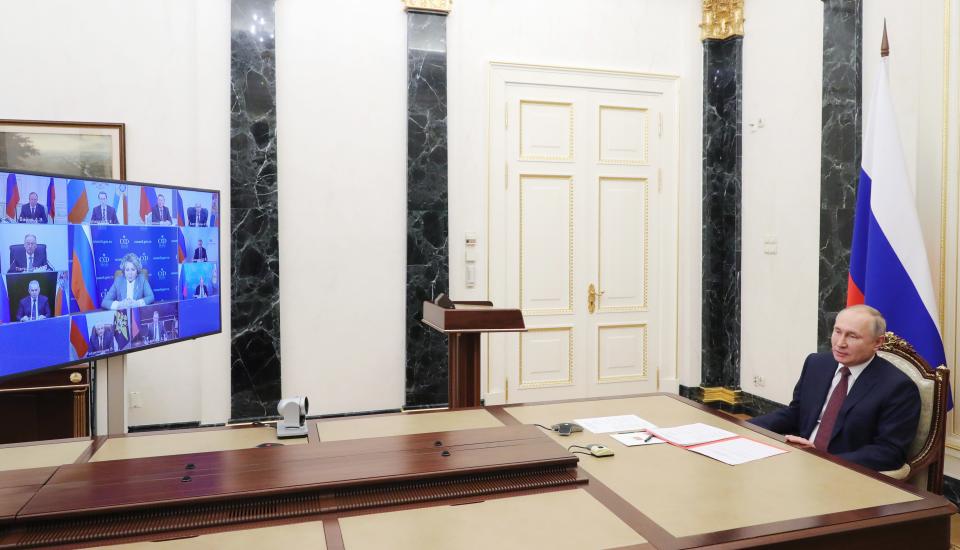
[104,193]
[32,194]
[28,235]
[34,283]
[879,323]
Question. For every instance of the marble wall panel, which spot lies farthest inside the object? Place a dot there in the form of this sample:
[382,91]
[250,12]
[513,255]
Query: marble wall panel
[840,154]
[722,193]
[427,226]
[255,260]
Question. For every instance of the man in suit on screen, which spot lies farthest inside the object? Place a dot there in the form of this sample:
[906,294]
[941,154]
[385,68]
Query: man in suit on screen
[30,258]
[32,212]
[200,253]
[197,216]
[102,340]
[852,403]
[160,214]
[35,306]
[104,213]
[202,290]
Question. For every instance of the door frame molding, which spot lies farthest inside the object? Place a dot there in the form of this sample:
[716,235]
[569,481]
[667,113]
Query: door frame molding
[499,76]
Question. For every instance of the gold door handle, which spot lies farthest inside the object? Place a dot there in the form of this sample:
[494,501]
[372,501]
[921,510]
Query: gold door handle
[592,296]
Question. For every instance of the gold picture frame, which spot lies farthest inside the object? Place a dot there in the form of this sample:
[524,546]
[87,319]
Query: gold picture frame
[79,149]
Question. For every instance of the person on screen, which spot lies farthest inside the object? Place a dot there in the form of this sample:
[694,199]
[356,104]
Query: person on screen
[200,253]
[102,340]
[104,213]
[197,216]
[202,290]
[130,289]
[160,214]
[35,306]
[30,258]
[155,329]
[878,430]
[33,212]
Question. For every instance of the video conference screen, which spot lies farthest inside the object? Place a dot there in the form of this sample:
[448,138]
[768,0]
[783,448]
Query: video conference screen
[93,268]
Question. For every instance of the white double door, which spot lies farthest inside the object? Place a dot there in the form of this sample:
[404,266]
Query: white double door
[582,232]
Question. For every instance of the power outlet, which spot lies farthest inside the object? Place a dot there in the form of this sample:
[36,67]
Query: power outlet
[136,400]
[758,381]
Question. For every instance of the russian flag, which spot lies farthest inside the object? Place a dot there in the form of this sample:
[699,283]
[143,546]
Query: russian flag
[61,305]
[4,302]
[148,199]
[83,279]
[179,206]
[888,262]
[13,196]
[77,204]
[121,206]
[51,202]
[181,247]
[79,339]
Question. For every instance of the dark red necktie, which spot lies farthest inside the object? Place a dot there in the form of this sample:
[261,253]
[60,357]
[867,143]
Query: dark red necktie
[832,411]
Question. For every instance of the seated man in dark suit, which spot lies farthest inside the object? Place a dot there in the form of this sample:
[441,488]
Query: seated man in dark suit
[852,403]
[160,214]
[104,213]
[29,258]
[200,253]
[202,291]
[102,340]
[197,216]
[35,306]
[33,212]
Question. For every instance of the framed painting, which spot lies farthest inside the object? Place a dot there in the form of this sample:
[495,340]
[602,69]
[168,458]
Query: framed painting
[79,149]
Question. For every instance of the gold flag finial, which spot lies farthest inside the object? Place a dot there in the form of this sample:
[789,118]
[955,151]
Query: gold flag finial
[884,44]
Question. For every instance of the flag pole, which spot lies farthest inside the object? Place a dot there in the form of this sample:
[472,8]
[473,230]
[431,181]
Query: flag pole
[884,44]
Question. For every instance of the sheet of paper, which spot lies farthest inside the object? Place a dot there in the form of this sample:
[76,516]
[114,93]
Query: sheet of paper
[607,424]
[738,450]
[692,434]
[633,439]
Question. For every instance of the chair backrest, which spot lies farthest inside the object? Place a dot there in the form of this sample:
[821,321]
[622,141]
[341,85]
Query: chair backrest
[18,249]
[927,449]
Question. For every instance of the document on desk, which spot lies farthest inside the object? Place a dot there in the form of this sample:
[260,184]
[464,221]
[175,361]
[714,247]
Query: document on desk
[632,439]
[692,434]
[738,450]
[607,424]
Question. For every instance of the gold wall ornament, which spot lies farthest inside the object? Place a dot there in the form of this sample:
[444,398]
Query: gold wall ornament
[433,6]
[721,19]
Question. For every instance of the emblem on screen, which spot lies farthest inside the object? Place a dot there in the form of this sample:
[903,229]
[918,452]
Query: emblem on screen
[124,241]
[104,259]
[162,241]
[162,273]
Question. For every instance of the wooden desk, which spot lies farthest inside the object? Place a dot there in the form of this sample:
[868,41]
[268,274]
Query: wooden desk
[644,497]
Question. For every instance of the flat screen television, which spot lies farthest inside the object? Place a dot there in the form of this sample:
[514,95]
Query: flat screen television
[93,268]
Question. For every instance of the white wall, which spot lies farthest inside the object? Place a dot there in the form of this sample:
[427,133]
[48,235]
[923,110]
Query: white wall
[632,35]
[160,68]
[782,87]
[163,69]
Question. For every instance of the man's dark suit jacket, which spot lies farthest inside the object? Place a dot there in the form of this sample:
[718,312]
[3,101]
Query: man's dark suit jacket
[18,259]
[206,291]
[877,422]
[158,215]
[192,219]
[39,214]
[98,215]
[95,346]
[200,254]
[43,307]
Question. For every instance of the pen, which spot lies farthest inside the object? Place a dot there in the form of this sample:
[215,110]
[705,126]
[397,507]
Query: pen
[646,439]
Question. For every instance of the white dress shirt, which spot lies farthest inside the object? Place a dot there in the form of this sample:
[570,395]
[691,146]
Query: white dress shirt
[855,371]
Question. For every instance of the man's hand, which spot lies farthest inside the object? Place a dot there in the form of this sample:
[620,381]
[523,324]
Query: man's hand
[41,317]
[24,319]
[799,442]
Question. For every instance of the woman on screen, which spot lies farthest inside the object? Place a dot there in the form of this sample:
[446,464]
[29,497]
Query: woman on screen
[130,290]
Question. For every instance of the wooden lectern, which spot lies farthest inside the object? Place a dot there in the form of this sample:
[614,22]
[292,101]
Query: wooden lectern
[463,324]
